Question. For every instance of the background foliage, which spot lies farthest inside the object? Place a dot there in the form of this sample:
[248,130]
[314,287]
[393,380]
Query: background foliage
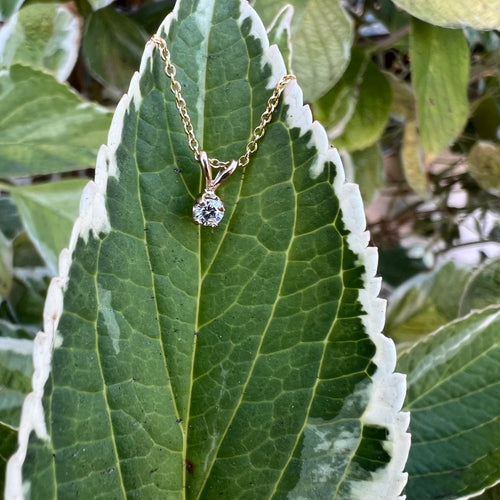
[410,95]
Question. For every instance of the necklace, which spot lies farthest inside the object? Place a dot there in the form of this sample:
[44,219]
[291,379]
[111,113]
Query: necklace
[208,209]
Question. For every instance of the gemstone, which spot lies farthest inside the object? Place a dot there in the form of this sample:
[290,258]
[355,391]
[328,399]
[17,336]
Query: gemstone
[208,209]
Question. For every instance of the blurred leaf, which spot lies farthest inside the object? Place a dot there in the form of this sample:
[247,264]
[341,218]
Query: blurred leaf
[48,212]
[486,118]
[44,126]
[16,369]
[9,7]
[322,35]
[454,399]
[44,36]
[25,252]
[412,160]
[403,98]
[24,305]
[336,108]
[8,443]
[440,75]
[279,33]
[371,113]
[6,264]
[112,46]
[483,288]
[367,167]
[483,164]
[396,266]
[480,14]
[425,302]
[99,4]
[16,331]
[391,16]
[10,223]
[150,13]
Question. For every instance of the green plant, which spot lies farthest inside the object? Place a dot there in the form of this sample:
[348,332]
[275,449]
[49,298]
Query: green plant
[247,361]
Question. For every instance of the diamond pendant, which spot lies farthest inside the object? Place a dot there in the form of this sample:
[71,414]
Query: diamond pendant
[208,209]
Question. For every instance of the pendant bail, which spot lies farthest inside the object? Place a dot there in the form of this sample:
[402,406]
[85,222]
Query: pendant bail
[208,209]
[212,184]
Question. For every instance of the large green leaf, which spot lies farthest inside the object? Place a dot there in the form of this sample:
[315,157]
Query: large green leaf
[480,14]
[44,126]
[48,211]
[45,35]
[244,361]
[454,399]
[322,35]
[440,75]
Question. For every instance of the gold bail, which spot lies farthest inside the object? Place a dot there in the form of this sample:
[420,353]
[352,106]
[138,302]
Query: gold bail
[207,171]
[222,174]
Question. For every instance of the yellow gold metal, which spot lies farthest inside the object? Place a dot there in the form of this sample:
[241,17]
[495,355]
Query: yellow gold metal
[194,145]
[208,209]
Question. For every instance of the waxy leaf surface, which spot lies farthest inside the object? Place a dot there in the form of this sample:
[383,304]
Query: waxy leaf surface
[244,361]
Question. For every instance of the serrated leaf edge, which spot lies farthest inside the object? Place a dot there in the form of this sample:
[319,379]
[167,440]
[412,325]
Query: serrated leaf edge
[389,388]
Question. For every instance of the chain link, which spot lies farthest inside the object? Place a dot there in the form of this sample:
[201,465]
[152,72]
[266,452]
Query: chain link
[193,143]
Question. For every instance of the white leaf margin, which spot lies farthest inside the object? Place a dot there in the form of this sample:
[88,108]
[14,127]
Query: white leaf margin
[282,23]
[65,24]
[388,388]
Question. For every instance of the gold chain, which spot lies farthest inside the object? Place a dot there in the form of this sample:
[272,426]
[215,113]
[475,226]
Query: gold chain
[194,145]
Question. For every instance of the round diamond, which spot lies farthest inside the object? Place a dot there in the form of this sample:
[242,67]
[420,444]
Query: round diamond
[208,209]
